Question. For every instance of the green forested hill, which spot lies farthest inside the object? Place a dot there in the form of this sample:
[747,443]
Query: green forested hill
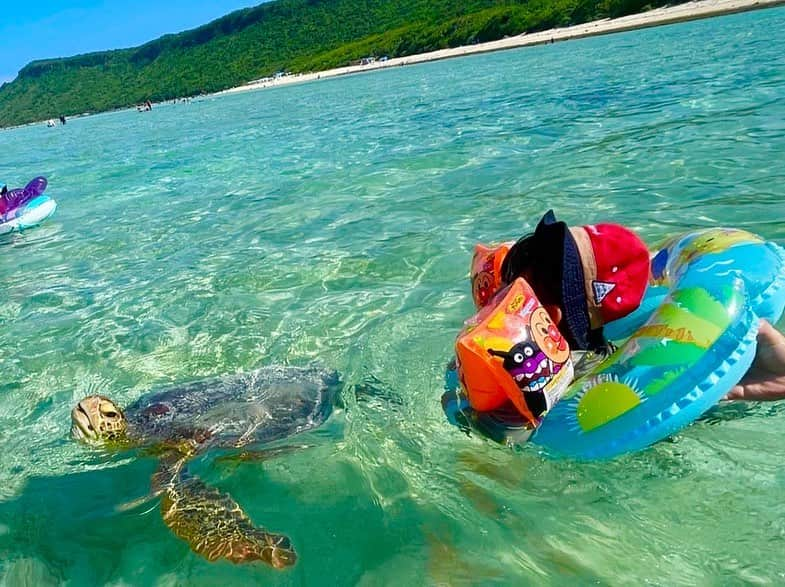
[294,35]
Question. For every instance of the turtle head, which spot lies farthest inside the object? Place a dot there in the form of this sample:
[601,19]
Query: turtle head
[97,419]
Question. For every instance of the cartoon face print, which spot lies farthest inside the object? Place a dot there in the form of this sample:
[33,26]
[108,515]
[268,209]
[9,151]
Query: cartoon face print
[528,365]
[482,288]
[549,339]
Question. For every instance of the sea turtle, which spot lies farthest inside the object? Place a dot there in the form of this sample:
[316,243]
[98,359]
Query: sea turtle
[238,411]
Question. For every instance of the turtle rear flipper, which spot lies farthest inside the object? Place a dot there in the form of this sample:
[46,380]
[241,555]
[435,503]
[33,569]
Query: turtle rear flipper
[215,526]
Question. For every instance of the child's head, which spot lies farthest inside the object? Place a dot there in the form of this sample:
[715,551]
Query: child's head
[585,276]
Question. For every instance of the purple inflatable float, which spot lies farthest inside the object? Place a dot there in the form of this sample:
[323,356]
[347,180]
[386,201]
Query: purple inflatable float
[22,208]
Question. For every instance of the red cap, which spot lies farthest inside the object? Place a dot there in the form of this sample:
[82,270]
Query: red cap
[595,273]
[616,270]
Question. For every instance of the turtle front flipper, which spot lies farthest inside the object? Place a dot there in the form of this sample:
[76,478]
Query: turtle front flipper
[213,524]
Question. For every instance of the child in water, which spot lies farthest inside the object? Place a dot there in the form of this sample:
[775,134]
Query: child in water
[590,275]
[586,277]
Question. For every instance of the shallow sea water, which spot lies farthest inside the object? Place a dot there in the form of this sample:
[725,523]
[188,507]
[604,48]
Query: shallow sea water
[334,222]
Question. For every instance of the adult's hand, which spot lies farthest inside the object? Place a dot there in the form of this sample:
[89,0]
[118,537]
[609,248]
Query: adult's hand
[765,381]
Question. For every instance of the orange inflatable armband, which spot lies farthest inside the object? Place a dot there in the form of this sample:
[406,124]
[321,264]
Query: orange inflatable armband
[512,351]
[486,271]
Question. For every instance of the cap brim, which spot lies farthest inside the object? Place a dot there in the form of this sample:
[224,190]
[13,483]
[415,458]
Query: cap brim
[562,272]
[573,295]
[548,241]
[538,256]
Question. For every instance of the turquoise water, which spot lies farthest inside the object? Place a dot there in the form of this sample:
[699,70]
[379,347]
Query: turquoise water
[334,222]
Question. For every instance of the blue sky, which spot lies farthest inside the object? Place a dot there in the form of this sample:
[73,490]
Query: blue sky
[39,29]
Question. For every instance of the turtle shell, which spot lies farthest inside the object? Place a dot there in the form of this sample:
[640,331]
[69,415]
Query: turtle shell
[261,406]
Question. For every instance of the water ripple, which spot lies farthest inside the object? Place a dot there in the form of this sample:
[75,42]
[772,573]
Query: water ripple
[334,222]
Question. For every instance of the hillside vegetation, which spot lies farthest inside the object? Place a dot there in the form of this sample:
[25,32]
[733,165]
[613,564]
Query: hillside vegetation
[291,35]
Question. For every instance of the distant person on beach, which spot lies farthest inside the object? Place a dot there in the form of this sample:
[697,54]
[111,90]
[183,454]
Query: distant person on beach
[62,119]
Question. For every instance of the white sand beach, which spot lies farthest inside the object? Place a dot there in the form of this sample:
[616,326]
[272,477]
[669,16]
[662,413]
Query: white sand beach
[666,15]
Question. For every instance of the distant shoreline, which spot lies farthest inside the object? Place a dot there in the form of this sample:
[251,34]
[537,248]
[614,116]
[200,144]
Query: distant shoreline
[694,10]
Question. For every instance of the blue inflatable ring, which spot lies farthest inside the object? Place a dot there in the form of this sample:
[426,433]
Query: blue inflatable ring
[691,341]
